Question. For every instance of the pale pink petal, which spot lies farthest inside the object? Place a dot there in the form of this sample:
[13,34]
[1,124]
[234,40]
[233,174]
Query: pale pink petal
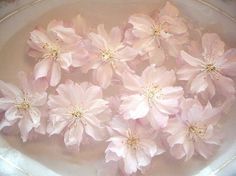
[131,81]
[73,136]
[150,147]
[127,54]
[229,68]
[95,133]
[167,106]
[189,149]
[39,99]
[142,25]
[5,123]
[93,92]
[35,116]
[115,36]
[170,10]
[110,156]
[117,146]
[178,138]
[157,119]
[177,151]
[5,103]
[65,34]
[25,125]
[38,40]
[55,74]
[225,85]
[212,46]
[130,163]
[157,56]
[65,60]
[102,32]
[56,127]
[204,149]
[195,62]
[42,68]
[172,92]
[199,83]
[104,75]
[187,72]
[9,90]
[134,107]
[98,41]
[97,106]
[142,158]
[12,114]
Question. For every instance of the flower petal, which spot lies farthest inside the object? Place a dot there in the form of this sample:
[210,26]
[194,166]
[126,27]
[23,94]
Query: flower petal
[212,45]
[134,107]
[25,125]
[73,136]
[42,68]
[130,163]
[55,74]
[12,114]
[104,75]
[195,62]
[199,83]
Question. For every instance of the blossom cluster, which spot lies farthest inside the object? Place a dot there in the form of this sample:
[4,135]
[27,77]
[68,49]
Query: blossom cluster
[153,89]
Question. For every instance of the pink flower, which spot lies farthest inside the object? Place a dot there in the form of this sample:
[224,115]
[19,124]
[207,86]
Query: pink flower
[22,106]
[152,96]
[212,70]
[154,36]
[195,130]
[77,110]
[132,144]
[56,48]
[109,55]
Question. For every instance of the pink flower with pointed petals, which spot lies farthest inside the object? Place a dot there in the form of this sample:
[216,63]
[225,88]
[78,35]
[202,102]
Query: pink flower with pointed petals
[56,48]
[22,106]
[153,96]
[155,35]
[109,55]
[195,130]
[132,144]
[75,111]
[212,71]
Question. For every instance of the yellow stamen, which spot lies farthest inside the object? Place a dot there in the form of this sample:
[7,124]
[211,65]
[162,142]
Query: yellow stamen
[53,51]
[24,105]
[210,68]
[132,141]
[197,131]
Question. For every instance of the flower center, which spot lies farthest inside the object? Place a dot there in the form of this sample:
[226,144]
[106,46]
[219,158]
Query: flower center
[157,30]
[132,141]
[77,114]
[24,105]
[153,91]
[53,51]
[196,131]
[107,55]
[210,68]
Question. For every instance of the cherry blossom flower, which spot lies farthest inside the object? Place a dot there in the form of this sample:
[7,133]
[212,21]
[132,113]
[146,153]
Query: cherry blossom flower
[74,111]
[165,31]
[195,130]
[152,96]
[22,106]
[56,48]
[132,144]
[212,70]
[109,55]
